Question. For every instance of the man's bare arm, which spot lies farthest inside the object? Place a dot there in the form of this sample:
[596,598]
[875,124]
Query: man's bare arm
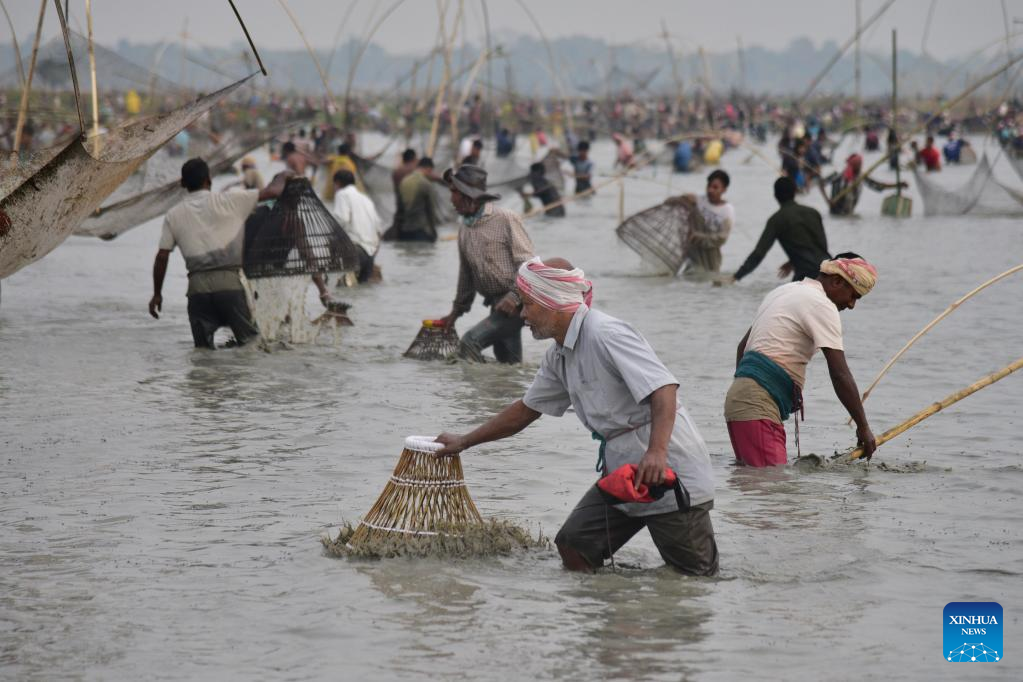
[849,395]
[741,349]
[505,423]
[662,420]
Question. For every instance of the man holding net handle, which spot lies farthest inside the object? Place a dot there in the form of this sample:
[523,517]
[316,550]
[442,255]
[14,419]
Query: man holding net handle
[627,399]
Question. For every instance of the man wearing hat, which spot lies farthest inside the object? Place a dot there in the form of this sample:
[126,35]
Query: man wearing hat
[492,244]
[792,322]
[628,400]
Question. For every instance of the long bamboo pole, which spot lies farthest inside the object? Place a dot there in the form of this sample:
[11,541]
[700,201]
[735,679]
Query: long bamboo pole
[842,50]
[453,112]
[71,65]
[554,66]
[942,109]
[938,407]
[23,106]
[362,51]
[948,311]
[14,44]
[312,53]
[438,104]
[92,75]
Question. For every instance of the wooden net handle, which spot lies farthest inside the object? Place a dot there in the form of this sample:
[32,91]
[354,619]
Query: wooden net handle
[939,406]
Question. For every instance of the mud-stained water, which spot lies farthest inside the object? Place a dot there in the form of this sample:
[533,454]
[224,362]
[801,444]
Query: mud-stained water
[162,506]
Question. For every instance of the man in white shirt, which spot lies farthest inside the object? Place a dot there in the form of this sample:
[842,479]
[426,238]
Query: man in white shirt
[793,321]
[359,219]
[208,227]
[627,399]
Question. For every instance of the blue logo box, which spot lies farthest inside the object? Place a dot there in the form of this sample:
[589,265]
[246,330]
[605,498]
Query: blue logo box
[972,632]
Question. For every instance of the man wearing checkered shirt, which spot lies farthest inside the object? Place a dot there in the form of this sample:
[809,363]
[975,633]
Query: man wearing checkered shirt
[492,244]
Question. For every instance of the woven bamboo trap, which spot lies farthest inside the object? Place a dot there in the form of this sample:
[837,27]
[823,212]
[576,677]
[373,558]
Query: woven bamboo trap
[426,510]
[435,341]
[660,233]
[298,235]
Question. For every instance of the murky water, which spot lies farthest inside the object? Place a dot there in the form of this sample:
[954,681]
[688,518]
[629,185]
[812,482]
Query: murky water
[162,507]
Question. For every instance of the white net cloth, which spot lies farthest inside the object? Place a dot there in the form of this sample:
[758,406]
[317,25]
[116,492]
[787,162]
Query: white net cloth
[982,194]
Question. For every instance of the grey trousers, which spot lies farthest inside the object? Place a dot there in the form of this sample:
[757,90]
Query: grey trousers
[685,539]
[502,332]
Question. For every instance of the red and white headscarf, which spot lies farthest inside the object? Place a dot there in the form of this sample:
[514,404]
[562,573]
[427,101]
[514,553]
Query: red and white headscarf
[554,288]
[860,274]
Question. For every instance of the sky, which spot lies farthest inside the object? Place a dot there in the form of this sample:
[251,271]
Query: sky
[957,28]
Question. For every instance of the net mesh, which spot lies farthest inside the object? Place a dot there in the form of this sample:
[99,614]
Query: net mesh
[435,341]
[298,235]
[155,187]
[40,211]
[659,234]
[982,194]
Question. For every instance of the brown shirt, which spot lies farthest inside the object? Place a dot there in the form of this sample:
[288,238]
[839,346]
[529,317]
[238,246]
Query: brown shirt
[490,252]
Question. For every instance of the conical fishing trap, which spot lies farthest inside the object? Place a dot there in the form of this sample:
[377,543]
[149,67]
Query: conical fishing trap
[298,235]
[660,234]
[426,509]
[435,341]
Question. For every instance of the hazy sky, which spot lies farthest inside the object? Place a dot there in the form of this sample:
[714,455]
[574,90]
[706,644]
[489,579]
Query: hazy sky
[958,26]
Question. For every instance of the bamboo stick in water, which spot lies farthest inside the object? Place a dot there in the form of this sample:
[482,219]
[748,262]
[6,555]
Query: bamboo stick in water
[939,406]
[933,323]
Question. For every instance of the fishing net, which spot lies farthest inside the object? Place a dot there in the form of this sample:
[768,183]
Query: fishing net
[659,234]
[41,210]
[114,72]
[280,309]
[435,341]
[426,510]
[155,187]
[297,235]
[982,194]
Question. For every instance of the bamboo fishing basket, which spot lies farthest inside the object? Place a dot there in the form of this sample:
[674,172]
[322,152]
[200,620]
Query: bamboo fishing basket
[435,341]
[426,496]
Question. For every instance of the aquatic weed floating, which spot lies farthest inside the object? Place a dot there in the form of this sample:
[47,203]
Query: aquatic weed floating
[426,510]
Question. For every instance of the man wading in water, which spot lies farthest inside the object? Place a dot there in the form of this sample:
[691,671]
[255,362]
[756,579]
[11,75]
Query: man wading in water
[492,244]
[800,231]
[627,399]
[208,228]
[794,321]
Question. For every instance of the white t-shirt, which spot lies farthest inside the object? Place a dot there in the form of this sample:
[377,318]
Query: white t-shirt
[208,227]
[718,217]
[794,321]
[359,218]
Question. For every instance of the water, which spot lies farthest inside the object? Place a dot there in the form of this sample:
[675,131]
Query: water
[162,507]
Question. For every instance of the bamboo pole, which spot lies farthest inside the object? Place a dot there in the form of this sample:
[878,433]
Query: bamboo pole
[14,44]
[23,106]
[948,311]
[452,111]
[92,75]
[312,53]
[938,407]
[942,109]
[554,66]
[442,91]
[473,72]
[842,50]
[362,51]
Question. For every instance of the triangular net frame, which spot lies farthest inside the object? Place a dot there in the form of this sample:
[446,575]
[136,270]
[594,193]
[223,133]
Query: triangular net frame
[659,233]
[298,235]
[155,187]
[426,496]
[51,195]
[435,341]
